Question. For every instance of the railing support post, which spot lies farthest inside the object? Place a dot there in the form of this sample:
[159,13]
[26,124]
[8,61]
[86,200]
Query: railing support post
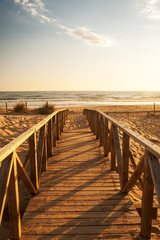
[33,160]
[105,136]
[147,200]
[58,126]
[50,134]
[125,160]
[13,202]
[44,158]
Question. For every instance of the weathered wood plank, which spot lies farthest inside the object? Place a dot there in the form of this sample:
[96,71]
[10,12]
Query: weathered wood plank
[5,174]
[135,176]
[154,165]
[24,176]
[147,200]
[125,159]
[117,151]
[134,167]
[33,160]
[13,202]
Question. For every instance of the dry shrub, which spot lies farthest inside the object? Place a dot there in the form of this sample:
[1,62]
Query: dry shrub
[20,107]
[46,108]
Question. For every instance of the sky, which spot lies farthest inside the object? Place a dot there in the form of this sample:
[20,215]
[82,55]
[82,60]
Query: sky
[67,45]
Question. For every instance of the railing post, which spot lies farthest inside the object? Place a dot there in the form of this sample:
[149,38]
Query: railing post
[13,202]
[57,126]
[53,131]
[93,122]
[125,160]
[50,137]
[113,154]
[102,130]
[44,158]
[105,136]
[147,200]
[33,160]
[97,125]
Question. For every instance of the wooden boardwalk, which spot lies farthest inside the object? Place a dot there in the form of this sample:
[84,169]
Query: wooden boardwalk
[79,195]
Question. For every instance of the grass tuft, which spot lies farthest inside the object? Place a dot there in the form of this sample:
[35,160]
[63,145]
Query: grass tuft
[20,107]
[46,108]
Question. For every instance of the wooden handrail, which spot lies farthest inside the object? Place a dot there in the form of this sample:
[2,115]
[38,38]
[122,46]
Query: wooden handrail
[12,168]
[149,163]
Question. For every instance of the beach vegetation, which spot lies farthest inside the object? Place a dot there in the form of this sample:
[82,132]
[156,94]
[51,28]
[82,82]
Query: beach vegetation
[20,107]
[46,108]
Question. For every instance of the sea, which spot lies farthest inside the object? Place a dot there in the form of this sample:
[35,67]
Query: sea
[36,99]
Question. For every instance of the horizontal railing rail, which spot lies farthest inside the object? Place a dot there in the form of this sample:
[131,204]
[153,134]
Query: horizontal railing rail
[108,130]
[41,139]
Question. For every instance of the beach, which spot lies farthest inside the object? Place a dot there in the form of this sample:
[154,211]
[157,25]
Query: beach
[139,118]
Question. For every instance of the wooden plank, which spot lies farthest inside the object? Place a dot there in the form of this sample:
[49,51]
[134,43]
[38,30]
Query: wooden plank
[50,137]
[54,130]
[26,160]
[97,125]
[24,176]
[134,167]
[125,160]
[13,202]
[147,200]
[117,151]
[102,129]
[155,171]
[45,155]
[40,150]
[57,126]
[106,132]
[33,160]
[5,174]
[135,176]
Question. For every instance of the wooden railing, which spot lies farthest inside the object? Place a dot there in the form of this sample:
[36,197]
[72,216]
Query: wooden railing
[41,139]
[108,131]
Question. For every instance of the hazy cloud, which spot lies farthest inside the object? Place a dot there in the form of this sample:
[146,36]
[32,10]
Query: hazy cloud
[152,9]
[37,9]
[87,36]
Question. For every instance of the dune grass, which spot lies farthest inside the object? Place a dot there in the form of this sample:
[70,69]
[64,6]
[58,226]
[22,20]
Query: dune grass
[46,108]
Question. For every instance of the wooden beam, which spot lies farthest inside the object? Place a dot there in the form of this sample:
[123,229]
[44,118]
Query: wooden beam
[13,202]
[53,131]
[50,137]
[26,160]
[106,131]
[24,176]
[147,200]
[117,151]
[5,174]
[102,129]
[97,125]
[134,167]
[125,159]
[45,156]
[154,165]
[136,174]
[33,160]
[40,150]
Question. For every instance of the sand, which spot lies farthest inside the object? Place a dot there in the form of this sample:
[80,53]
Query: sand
[12,125]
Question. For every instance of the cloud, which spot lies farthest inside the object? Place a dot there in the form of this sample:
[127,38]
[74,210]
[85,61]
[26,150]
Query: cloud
[152,9]
[37,9]
[87,36]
